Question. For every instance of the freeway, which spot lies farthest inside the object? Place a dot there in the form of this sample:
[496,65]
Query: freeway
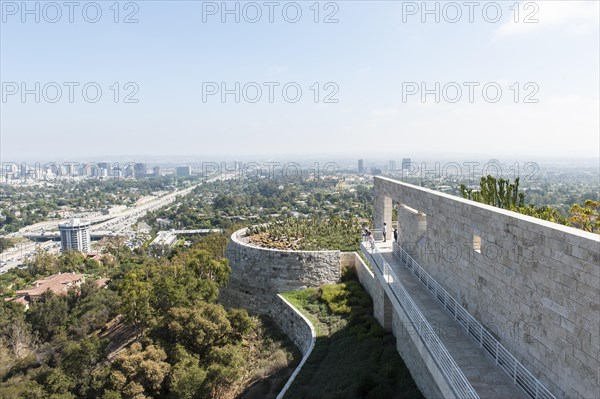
[119,223]
[17,255]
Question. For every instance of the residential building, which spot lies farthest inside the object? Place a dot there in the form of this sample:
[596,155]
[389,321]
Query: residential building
[183,171]
[59,284]
[75,236]
[405,163]
[140,170]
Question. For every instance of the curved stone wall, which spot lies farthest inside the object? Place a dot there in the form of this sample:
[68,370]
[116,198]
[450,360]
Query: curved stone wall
[299,329]
[258,274]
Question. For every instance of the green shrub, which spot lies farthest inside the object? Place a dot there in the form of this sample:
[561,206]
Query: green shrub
[354,358]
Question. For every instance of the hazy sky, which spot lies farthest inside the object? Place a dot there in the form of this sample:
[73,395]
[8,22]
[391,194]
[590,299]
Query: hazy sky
[375,61]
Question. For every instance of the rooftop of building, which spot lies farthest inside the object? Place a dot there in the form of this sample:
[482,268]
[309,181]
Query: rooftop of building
[74,223]
[57,283]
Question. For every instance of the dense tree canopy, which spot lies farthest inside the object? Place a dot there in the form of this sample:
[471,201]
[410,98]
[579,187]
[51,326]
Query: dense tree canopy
[157,330]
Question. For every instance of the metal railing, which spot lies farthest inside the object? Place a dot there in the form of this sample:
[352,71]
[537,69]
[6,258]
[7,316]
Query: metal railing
[454,376]
[377,234]
[519,375]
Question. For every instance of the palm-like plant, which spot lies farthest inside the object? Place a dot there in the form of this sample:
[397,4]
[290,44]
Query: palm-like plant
[586,217]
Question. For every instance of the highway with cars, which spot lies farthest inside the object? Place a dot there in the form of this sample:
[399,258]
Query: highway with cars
[118,224]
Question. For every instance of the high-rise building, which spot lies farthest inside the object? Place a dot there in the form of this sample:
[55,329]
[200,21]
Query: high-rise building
[361,166]
[70,169]
[391,166]
[75,236]
[140,170]
[183,171]
[405,163]
[88,169]
[156,171]
[92,170]
[104,169]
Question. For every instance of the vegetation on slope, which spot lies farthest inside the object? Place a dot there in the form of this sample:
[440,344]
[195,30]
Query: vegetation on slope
[157,331]
[353,356]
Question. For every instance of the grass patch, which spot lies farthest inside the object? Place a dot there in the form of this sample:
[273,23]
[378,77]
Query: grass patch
[353,357]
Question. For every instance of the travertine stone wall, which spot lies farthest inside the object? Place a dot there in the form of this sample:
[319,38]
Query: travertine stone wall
[412,225]
[292,324]
[423,369]
[299,329]
[382,307]
[258,274]
[535,284]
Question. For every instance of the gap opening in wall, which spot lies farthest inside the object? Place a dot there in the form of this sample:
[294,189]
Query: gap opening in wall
[396,224]
[476,243]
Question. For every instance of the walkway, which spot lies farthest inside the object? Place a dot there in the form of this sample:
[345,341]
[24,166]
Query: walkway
[486,378]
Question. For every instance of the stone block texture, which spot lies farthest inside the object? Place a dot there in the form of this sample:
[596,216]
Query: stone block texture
[534,284]
[292,324]
[258,274]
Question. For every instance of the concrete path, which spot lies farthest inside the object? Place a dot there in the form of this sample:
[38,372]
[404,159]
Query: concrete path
[486,378]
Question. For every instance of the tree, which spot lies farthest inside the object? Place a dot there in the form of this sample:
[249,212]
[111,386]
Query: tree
[586,217]
[20,338]
[241,323]
[6,243]
[139,373]
[80,359]
[71,261]
[136,301]
[226,368]
[10,313]
[48,315]
[203,265]
[200,328]
[544,212]
[56,383]
[43,264]
[187,377]
[93,309]
[500,193]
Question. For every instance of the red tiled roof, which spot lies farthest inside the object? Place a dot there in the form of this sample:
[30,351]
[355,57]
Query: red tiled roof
[21,300]
[58,283]
[101,282]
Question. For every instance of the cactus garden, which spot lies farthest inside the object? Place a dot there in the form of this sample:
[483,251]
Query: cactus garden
[308,234]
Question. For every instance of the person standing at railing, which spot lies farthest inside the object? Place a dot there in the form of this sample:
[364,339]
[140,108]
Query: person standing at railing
[384,232]
[371,240]
[395,234]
